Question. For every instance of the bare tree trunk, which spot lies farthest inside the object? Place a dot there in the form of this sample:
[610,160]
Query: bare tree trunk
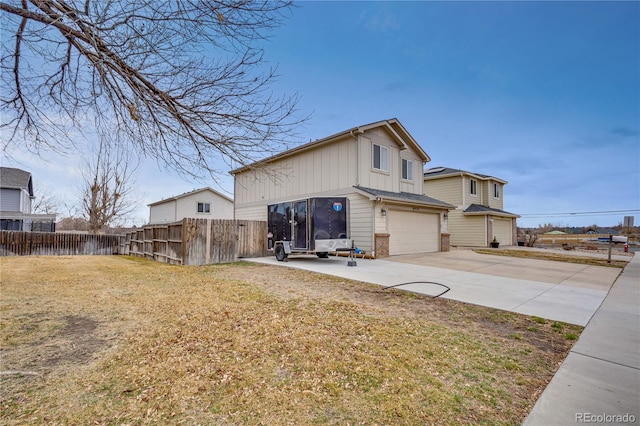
[108,182]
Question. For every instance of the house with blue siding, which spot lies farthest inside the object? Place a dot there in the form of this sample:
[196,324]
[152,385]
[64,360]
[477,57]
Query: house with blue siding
[16,203]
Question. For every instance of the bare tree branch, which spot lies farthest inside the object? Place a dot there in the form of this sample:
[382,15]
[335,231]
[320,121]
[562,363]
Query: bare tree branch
[181,81]
[108,184]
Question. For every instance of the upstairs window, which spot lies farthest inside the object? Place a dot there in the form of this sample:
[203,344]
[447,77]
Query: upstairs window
[496,190]
[407,169]
[474,187]
[204,208]
[381,158]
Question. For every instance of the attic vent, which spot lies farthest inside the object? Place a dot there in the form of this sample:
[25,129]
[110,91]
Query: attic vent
[435,170]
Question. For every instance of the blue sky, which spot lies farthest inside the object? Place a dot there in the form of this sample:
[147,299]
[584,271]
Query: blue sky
[545,95]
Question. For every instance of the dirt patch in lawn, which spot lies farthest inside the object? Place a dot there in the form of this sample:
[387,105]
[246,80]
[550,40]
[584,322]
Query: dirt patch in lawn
[115,340]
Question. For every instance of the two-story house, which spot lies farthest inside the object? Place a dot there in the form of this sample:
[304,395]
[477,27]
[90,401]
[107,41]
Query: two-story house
[478,199]
[203,203]
[16,199]
[378,167]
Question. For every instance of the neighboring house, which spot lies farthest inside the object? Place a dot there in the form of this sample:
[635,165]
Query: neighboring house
[204,203]
[479,199]
[378,167]
[16,198]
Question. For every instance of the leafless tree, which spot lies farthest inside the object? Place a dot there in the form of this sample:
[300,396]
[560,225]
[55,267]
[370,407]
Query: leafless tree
[108,183]
[182,81]
[45,203]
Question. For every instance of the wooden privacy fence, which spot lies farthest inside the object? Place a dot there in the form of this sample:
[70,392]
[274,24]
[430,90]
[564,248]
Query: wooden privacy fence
[21,243]
[198,241]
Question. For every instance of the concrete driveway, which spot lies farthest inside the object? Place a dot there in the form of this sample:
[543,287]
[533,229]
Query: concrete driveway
[553,290]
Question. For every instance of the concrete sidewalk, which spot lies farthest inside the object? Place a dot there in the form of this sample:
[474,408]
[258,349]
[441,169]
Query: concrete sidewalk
[553,290]
[599,382]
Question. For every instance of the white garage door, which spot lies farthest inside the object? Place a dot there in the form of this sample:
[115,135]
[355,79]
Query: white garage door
[412,232]
[502,231]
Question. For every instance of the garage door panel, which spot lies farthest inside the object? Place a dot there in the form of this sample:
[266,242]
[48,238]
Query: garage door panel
[413,232]
[502,230]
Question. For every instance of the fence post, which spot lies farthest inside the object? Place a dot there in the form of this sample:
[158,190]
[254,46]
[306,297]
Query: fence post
[208,242]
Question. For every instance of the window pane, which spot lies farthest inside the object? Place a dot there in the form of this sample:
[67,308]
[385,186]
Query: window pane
[384,158]
[380,157]
[407,169]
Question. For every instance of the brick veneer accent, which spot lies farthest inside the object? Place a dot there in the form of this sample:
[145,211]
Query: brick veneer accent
[444,242]
[382,245]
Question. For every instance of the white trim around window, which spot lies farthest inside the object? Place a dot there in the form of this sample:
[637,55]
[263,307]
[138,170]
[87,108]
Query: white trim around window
[473,187]
[380,158]
[496,190]
[203,207]
[407,169]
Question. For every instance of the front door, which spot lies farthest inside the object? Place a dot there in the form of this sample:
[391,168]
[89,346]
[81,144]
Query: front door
[299,223]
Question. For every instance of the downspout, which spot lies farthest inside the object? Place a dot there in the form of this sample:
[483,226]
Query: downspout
[354,134]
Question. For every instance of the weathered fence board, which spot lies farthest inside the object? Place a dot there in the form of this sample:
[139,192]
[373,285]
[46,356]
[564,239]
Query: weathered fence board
[198,241]
[20,243]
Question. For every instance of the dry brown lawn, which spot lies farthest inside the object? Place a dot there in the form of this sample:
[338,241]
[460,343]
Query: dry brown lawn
[116,340]
[556,257]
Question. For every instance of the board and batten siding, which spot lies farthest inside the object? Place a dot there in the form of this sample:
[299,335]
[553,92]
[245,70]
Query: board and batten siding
[387,180]
[495,203]
[467,230]
[468,198]
[322,169]
[447,190]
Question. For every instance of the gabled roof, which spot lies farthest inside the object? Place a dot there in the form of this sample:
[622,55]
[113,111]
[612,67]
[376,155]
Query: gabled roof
[404,197]
[16,179]
[477,209]
[177,197]
[441,172]
[401,136]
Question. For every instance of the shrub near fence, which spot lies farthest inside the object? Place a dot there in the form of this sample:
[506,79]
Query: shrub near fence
[198,241]
[20,243]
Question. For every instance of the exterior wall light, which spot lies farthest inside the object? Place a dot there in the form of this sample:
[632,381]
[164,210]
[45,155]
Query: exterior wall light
[383,211]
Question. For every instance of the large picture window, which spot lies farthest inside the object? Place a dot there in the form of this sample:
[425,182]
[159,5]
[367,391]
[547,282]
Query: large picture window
[407,169]
[381,158]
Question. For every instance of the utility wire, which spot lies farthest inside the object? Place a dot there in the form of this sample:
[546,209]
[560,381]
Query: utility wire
[597,213]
